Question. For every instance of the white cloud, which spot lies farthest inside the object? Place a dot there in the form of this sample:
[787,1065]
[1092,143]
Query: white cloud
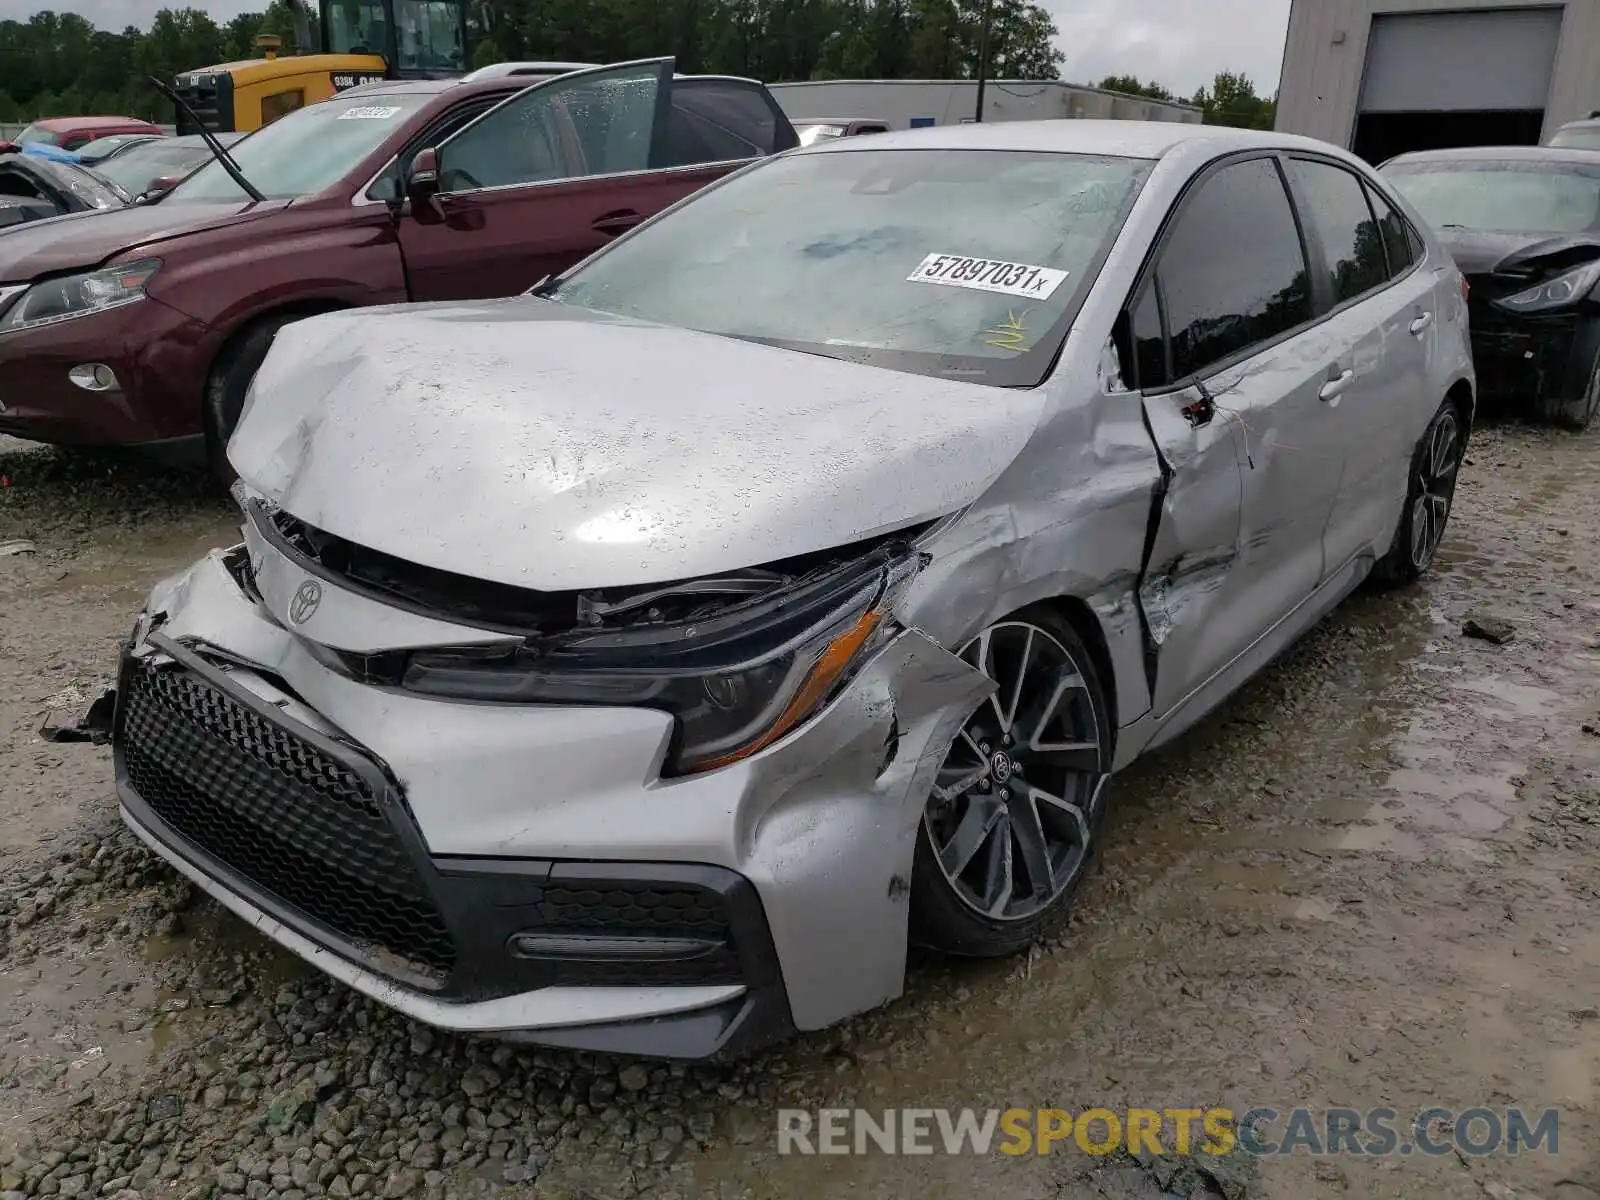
[117,15]
[1181,44]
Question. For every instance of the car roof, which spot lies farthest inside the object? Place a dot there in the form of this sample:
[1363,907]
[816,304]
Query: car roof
[55,123]
[490,82]
[1501,154]
[1125,139]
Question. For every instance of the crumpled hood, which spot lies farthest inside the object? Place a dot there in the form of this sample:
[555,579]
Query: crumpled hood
[80,241]
[552,448]
[1480,252]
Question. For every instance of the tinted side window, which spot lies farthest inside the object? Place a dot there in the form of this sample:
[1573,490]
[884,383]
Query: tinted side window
[1337,207]
[1414,239]
[1149,347]
[1396,237]
[388,186]
[595,123]
[1234,272]
[716,120]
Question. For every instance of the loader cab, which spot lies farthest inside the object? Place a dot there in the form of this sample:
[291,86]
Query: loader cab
[417,39]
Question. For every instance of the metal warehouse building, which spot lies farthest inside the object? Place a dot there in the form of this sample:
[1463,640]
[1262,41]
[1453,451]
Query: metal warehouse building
[1385,76]
[912,103]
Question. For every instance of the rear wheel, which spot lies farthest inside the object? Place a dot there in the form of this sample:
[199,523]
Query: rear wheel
[1009,828]
[1429,496]
[1577,414]
[230,381]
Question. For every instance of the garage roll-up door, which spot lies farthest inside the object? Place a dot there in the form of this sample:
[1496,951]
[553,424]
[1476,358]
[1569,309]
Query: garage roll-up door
[1433,62]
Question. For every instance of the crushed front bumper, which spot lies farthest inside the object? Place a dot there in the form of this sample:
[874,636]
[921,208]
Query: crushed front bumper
[451,861]
[1525,360]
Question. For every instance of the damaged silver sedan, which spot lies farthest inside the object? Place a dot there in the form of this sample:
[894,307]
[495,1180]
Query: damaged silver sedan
[642,664]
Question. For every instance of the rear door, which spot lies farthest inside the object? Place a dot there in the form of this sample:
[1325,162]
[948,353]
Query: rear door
[1383,315]
[547,178]
[1233,365]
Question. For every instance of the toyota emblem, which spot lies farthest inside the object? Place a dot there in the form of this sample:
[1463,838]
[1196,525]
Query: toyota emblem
[306,598]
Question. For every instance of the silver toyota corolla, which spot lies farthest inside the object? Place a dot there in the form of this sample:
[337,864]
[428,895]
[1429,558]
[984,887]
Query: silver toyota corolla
[643,663]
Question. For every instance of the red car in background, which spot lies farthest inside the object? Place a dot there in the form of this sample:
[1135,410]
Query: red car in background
[73,133]
[145,326]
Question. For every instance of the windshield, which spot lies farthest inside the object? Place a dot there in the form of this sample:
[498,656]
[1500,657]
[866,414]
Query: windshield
[355,27]
[88,187]
[430,35]
[1582,137]
[136,168]
[1514,196]
[34,134]
[103,147]
[940,262]
[307,151]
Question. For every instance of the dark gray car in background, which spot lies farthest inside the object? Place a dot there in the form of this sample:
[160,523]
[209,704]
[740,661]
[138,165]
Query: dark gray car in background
[1523,224]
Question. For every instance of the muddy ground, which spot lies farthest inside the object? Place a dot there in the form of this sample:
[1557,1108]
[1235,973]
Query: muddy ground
[1372,879]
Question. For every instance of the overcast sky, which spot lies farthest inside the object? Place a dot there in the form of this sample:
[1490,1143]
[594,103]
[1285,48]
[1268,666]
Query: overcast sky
[1180,43]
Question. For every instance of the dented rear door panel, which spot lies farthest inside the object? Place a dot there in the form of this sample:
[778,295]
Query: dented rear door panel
[1254,464]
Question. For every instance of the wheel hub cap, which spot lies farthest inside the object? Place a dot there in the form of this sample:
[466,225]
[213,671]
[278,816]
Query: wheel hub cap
[1000,766]
[1011,810]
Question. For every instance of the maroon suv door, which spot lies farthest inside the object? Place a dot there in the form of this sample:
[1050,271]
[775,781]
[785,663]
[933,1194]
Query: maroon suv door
[552,174]
[541,181]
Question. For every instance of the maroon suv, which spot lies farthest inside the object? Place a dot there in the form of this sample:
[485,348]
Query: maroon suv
[144,326]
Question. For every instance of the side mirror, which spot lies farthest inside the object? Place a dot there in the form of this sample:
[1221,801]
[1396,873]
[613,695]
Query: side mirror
[422,183]
[161,186]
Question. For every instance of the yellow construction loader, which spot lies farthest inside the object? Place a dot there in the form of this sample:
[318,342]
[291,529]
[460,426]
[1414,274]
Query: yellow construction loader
[362,40]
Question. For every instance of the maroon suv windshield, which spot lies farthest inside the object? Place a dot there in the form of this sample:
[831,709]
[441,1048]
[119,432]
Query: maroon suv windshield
[307,151]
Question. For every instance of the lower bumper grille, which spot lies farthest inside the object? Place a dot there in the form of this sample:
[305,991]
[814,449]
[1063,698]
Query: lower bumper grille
[275,809]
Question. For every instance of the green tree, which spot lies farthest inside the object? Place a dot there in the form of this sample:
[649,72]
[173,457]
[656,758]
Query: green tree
[1231,100]
[1132,85]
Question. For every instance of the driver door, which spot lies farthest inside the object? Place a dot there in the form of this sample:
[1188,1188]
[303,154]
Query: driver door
[541,181]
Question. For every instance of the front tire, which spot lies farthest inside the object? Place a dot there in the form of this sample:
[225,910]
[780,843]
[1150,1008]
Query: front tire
[1430,494]
[1578,414]
[228,385]
[1010,826]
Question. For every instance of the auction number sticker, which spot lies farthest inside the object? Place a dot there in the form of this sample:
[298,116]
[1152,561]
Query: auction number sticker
[369,113]
[988,275]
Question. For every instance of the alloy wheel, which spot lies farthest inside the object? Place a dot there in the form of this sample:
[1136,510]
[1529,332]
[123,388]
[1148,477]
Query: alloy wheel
[1013,807]
[1434,489]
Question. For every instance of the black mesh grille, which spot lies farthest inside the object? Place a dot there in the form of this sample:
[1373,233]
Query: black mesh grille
[643,908]
[275,809]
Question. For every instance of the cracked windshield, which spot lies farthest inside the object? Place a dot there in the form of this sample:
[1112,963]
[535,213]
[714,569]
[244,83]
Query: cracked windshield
[910,258]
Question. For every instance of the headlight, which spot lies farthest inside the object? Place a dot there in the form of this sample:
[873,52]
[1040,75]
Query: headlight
[734,684]
[57,300]
[1566,288]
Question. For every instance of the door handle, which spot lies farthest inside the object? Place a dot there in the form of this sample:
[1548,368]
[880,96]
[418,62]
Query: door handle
[1336,386]
[1422,322]
[614,224]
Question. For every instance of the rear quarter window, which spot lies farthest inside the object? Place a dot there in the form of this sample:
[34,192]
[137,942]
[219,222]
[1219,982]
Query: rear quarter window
[1352,242]
[713,120]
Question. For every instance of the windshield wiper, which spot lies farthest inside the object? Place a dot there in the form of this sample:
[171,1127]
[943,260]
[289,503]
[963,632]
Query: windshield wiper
[221,155]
